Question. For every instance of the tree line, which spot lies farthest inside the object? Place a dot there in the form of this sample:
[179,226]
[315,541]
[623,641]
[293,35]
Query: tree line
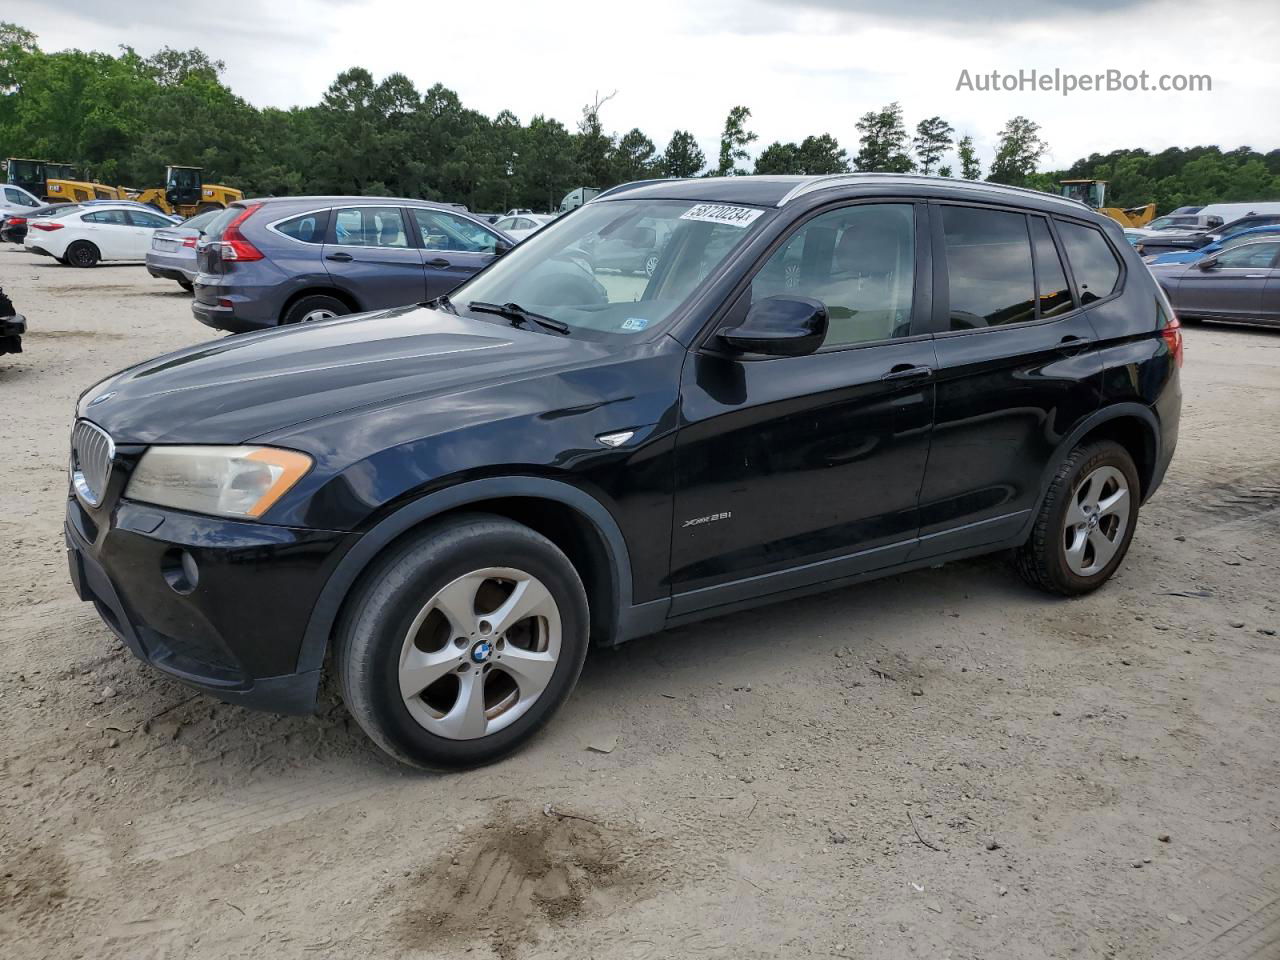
[123,117]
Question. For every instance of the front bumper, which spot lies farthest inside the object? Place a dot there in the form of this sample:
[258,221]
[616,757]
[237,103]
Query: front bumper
[236,632]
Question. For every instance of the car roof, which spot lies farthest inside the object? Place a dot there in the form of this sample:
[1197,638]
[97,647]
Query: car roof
[350,200]
[778,191]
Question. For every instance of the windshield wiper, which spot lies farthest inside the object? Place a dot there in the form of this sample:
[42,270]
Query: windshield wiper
[518,314]
[441,302]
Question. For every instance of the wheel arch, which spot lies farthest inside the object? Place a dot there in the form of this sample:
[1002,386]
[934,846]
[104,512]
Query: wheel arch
[573,520]
[1132,425]
[318,290]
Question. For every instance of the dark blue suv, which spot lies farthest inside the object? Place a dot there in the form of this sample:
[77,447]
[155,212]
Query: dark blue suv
[822,380]
[266,263]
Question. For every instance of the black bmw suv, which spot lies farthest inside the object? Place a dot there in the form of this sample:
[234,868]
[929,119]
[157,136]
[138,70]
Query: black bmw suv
[822,380]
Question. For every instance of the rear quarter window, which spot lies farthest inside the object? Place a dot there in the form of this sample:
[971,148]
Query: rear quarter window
[307,228]
[1093,262]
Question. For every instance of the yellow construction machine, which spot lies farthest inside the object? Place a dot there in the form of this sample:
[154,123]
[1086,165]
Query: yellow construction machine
[185,193]
[1094,192]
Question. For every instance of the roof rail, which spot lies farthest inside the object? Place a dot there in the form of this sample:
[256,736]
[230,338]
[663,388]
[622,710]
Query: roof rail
[635,183]
[839,179]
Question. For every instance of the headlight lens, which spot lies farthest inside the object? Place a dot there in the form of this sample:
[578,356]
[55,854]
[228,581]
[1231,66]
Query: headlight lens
[225,481]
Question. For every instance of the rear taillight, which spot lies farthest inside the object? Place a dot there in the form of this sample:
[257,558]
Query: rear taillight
[189,242]
[47,226]
[1172,334]
[14,221]
[233,245]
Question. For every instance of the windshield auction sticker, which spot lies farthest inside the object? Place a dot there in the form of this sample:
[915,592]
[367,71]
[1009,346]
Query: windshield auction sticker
[722,213]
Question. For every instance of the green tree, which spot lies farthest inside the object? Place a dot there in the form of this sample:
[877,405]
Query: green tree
[884,142]
[932,140]
[683,157]
[734,140]
[822,154]
[632,158]
[945,170]
[1018,152]
[970,168]
[779,158]
[594,145]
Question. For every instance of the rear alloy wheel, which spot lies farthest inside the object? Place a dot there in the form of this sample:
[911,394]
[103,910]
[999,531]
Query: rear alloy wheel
[315,307]
[650,264]
[1086,522]
[82,253]
[463,642]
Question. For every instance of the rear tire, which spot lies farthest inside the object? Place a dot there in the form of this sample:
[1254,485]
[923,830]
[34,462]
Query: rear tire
[82,253]
[187,285]
[314,307]
[1086,522]
[481,613]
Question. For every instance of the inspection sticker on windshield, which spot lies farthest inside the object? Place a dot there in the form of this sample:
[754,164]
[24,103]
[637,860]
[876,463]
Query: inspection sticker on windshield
[722,213]
[635,323]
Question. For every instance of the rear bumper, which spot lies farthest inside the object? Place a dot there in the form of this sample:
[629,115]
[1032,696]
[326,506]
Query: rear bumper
[236,633]
[171,268]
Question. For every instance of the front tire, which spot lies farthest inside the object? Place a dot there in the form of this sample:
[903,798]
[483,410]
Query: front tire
[82,253]
[462,642]
[1086,522]
[314,307]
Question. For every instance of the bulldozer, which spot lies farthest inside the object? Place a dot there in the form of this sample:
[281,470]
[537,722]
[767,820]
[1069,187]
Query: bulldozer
[1093,193]
[27,174]
[186,194]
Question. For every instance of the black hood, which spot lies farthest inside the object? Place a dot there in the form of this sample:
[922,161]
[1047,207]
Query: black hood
[238,388]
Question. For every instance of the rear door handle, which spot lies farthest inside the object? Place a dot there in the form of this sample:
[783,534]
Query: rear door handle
[438,262]
[1073,344]
[904,371]
[1255,276]
[340,257]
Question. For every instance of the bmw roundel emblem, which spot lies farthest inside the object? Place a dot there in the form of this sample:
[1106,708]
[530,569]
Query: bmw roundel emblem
[482,651]
[102,398]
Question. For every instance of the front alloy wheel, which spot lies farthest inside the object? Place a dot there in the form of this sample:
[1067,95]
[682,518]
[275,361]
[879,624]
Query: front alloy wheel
[462,641]
[480,653]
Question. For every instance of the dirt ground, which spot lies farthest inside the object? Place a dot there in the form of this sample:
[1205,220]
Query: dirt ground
[943,764]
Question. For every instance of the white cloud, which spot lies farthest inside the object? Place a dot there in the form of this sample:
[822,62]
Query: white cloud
[802,68]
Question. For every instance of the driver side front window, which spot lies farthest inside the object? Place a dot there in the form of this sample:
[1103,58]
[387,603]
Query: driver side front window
[859,261]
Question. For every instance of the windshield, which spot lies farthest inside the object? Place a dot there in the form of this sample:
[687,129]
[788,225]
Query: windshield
[614,268]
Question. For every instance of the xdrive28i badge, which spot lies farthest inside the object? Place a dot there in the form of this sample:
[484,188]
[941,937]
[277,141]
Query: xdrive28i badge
[710,518]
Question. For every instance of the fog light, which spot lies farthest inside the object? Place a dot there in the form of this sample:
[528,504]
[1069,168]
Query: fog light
[179,570]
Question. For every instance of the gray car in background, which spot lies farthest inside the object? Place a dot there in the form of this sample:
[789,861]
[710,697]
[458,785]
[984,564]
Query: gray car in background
[173,250]
[282,260]
[1241,284]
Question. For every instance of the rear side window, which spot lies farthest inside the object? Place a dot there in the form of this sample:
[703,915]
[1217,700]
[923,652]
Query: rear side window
[369,227]
[140,218]
[113,217]
[988,267]
[1054,294]
[445,231]
[1096,269]
[308,228]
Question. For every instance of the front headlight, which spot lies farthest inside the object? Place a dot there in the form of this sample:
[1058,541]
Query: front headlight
[226,481]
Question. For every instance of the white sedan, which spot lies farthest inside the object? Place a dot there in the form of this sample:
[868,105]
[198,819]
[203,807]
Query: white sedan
[517,228]
[84,236]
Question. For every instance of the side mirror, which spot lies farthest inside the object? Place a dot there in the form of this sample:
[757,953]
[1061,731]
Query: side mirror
[780,327]
[501,248]
[1208,263]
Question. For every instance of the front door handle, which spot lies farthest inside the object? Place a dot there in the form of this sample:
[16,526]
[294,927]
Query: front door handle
[438,262]
[340,257]
[1255,276]
[905,371]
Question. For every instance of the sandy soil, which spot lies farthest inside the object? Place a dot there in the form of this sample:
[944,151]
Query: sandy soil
[942,764]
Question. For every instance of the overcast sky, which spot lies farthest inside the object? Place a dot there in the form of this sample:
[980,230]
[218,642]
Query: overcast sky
[812,66]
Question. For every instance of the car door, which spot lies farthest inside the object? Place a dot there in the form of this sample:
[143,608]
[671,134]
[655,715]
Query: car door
[143,226]
[368,252]
[1228,285]
[797,470]
[1016,366]
[111,232]
[453,247]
